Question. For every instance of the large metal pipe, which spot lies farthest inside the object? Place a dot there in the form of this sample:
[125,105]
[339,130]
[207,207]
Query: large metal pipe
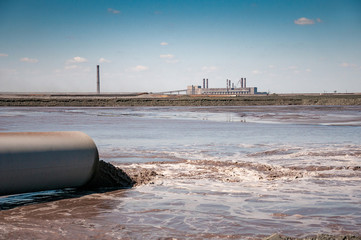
[36,161]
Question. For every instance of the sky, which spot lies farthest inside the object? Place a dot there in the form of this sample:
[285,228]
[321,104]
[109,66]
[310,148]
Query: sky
[280,46]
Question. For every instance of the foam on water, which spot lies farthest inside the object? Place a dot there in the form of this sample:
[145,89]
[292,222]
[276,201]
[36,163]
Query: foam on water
[221,173]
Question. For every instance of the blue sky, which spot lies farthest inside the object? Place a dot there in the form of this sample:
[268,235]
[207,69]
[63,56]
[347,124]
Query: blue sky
[283,46]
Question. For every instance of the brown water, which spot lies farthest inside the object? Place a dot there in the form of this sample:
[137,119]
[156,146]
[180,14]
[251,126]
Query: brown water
[221,173]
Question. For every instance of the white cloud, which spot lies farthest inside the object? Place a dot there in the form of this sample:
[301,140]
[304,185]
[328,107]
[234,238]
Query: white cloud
[70,67]
[167,56]
[77,68]
[308,70]
[29,60]
[172,61]
[304,21]
[8,71]
[140,68]
[114,11]
[163,43]
[256,72]
[209,68]
[170,58]
[76,60]
[318,20]
[346,65]
[103,60]
[3,55]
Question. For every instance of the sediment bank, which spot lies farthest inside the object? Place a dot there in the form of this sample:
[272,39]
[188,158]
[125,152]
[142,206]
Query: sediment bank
[109,176]
[43,100]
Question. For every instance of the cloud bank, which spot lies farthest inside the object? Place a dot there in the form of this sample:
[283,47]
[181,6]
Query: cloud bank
[305,21]
[76,60]
[347,65]
[103,60]
[3,55]
[256,72]
[140,68]
[167,56]
[209,69]
[70,67]
[114,11]
[29,60]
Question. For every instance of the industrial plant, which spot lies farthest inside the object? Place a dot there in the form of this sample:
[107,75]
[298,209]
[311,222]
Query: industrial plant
[240,88]
[231,89]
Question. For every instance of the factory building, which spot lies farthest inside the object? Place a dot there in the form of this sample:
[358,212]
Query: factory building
[231,89]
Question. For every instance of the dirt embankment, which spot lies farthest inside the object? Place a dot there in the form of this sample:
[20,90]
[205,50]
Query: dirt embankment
[177,100]
[109,176]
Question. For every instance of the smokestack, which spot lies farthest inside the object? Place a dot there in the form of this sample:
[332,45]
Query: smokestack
[228,84]
[207,83]
[241,82]
[98,80]
[245,86]
[204,83]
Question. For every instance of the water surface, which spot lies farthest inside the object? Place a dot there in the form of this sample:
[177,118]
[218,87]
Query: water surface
[224,173]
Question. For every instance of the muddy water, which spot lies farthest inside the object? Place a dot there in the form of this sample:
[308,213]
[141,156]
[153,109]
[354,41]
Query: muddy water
[221,173]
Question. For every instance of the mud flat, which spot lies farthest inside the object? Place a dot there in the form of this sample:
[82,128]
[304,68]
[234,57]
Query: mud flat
[317,237]
[113,100]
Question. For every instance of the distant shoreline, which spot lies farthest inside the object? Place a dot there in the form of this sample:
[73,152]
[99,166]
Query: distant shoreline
[134,99]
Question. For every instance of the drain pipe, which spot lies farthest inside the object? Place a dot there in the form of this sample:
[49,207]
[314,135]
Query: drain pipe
[37,161]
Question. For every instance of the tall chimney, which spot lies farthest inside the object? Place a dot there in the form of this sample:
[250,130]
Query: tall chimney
[98,80]
[241,82]
[207,83]
[204,83]
[245,86]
